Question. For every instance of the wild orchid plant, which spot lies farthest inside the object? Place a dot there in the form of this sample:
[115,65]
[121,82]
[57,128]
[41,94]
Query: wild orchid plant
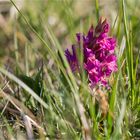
[98,51]
[99,59]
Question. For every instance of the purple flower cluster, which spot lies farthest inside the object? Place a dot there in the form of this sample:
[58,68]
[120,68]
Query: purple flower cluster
[98,50]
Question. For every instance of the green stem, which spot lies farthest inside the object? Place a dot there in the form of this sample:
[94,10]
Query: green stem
[97,9]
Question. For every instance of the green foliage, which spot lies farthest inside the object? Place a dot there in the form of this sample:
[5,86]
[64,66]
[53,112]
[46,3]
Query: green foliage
[60,104]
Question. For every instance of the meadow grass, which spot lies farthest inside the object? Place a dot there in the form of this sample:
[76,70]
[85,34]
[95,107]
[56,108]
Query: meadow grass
[40,96]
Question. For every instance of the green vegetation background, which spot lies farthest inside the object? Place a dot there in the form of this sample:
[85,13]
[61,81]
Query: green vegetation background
[38,98]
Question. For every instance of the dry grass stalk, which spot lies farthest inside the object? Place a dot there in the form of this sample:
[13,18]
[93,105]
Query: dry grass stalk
[22,109]
[103,102]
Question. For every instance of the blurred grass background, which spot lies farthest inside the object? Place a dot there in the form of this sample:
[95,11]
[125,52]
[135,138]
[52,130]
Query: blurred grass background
[38,65]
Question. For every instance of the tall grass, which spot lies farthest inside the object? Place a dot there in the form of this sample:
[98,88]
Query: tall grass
[42,98]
